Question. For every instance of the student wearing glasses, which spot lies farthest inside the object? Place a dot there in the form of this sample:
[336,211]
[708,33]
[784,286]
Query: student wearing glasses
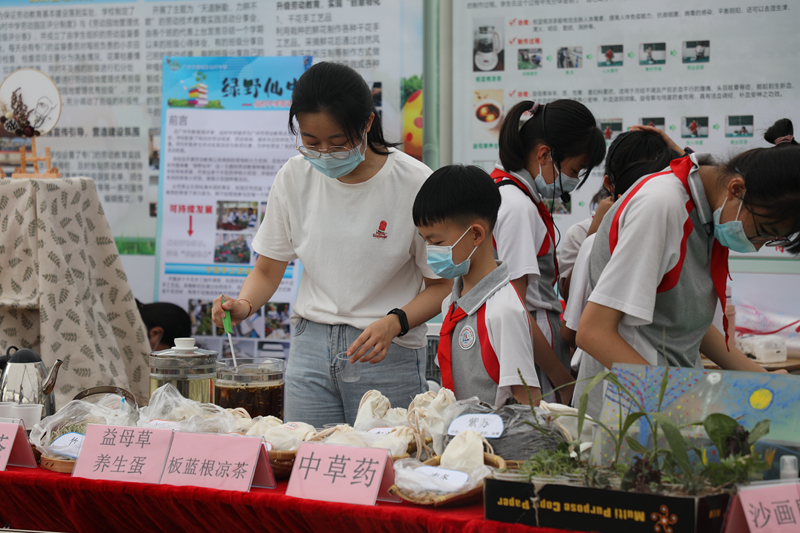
[659,263]
[343,208]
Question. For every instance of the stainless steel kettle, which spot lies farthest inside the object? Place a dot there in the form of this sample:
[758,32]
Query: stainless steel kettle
[26,379]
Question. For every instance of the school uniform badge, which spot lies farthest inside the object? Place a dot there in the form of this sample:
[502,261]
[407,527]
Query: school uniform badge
[466,339]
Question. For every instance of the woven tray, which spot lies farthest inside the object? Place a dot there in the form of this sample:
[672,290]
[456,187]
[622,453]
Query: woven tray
[452,499]
[282,463]
[64,466]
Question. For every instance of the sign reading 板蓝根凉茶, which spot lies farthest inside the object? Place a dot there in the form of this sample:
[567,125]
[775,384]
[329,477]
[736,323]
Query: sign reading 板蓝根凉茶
[225,462]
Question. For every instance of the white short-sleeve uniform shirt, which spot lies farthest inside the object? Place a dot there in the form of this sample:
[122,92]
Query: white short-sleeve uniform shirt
[361,253]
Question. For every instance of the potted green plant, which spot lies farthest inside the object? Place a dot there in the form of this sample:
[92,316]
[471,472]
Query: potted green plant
[641,476]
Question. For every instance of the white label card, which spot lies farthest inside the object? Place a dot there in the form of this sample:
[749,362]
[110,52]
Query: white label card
[68,444]
[488,425]
[453,477]
[380,431]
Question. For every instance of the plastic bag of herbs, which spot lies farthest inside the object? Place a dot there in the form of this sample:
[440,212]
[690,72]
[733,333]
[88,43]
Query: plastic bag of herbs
[526,431]
[60,436]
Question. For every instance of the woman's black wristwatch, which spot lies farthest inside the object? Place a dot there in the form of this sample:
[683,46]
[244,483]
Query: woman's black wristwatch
[403,320]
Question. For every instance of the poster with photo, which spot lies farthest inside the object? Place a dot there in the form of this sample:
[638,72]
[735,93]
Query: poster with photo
[630,62]
[221,116]
[106,56]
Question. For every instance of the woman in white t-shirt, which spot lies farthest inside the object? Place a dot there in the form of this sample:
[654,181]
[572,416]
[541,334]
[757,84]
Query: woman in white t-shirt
[343,208]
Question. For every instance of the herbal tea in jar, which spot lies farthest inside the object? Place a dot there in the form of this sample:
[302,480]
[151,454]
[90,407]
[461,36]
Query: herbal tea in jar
[256,387]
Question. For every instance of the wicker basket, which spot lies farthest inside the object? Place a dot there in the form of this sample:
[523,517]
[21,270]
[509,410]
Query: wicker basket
[514,465]
[452,499]
[65,466]
[282,463]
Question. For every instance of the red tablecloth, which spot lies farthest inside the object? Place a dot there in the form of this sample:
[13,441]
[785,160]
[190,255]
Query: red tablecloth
[44,500]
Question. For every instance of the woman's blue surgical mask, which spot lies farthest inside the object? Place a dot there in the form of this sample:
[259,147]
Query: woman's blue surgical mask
[337,167]
[562,184]
[731,234]
[440,259]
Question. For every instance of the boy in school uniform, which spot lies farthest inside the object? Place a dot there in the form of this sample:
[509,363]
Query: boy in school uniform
[486,333]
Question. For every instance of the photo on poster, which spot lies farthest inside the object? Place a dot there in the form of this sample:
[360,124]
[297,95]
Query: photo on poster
[652,53]
[200,317]
[262,211]
[377,94]
[250,327]
[611,127]
[696,51]
[653,122]
[601,194]
[529,58]
[610,55]
[209,343]
[487,114]
[245,350]
[487,47]
[232,248]
[694,127]
[739,126]
[237,215]
[558,207]
[569,57]
[411,103]
[10,145]
[154,148]
[272,349]
[276,321]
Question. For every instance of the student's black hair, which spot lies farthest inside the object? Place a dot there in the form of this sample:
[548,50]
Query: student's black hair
[634,154]
[772,180]
[567,127]
[341,92]
[173,319]
[458,193]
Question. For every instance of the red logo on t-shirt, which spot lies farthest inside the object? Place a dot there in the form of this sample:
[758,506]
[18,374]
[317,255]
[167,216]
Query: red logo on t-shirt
[381,232]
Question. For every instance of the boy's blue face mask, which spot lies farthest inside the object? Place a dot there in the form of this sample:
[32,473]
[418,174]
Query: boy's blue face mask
[440,259]
[731,234]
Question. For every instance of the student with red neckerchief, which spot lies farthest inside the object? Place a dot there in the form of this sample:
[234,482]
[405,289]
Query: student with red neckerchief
[543,158]
[659,263]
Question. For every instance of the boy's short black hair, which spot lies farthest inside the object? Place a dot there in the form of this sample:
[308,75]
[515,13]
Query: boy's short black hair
[457,193]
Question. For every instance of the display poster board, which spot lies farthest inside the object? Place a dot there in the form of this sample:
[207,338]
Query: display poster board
[105,56]
[224,137]
[714,76]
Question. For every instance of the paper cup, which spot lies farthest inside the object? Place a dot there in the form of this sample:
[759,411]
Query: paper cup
[351,372]
[7,409]
[30,413]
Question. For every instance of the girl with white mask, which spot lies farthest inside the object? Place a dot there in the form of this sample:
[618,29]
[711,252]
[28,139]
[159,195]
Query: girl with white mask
[342,206]
[546,151]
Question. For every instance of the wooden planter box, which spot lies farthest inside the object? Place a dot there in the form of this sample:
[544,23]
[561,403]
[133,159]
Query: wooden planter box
[606,511]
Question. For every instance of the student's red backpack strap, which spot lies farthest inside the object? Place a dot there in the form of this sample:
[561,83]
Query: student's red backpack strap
[681,170]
